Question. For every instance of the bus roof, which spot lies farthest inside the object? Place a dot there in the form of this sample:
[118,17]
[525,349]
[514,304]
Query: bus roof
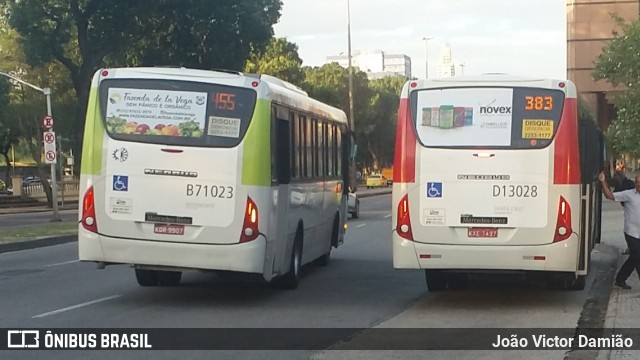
[496,79]
[276,89]
[286,93]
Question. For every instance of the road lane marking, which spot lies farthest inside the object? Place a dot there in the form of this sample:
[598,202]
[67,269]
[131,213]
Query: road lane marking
[387,216]
[360,225]
[63,263]
[76,306]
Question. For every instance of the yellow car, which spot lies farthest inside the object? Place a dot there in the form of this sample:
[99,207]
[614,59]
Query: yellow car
[376,180]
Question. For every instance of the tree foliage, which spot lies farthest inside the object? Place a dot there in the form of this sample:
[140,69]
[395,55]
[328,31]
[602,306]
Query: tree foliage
[378,134]
[85,35]
[618,64]
[280,59]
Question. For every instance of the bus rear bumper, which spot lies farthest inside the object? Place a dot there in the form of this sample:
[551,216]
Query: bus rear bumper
[247,257]
[560,256]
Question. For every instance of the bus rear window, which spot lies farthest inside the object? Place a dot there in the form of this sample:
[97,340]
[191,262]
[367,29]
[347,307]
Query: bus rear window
[492,117]
[176,112]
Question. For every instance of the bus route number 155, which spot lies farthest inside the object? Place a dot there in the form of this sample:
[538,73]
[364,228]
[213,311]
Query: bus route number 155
[517,191]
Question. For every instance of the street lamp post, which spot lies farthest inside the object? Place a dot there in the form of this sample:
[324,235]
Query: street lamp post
[426,56]
[351,119]
[54,183]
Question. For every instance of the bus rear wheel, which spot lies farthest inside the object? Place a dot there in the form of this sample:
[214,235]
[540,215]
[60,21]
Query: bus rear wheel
[291,279]
[457,281]
[156,277]
[169,278]
[147,277]
[565,281]
[435,280]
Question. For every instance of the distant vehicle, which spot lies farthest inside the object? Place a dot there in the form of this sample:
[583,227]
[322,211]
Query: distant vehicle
[188,169]
[354,205]
[376,180]
[387,173]
[31,180]
[495,173]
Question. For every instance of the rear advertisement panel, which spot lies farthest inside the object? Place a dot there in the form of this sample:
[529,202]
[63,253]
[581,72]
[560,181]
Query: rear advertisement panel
[484,163]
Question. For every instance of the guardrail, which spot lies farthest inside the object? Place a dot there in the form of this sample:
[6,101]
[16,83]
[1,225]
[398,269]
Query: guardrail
[36,190]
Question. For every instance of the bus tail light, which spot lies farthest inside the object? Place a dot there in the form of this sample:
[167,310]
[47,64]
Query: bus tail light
[563,225]
[250,224]
[89,211]
[403,222]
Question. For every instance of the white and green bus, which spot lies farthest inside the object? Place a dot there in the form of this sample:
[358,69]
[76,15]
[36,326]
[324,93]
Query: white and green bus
[188,169]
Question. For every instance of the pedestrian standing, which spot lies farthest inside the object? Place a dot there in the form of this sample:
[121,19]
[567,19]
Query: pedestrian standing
[631,199]
[620,183]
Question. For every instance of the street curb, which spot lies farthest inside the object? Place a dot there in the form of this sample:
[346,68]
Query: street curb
[361,195]
[34,244]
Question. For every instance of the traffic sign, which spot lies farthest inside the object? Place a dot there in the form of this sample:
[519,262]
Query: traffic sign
[47,122]
[49,147]
[49,137]
[50,157]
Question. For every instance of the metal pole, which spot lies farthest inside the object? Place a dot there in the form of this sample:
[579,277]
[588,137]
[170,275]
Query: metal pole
[61,169]
[54,180]
[426,56]
[351,116]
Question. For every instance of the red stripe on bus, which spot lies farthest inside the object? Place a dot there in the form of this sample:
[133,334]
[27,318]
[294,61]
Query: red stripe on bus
[566,158]
[404,165]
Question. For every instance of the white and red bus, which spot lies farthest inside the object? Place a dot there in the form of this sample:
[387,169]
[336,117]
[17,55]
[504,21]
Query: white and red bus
[495,173]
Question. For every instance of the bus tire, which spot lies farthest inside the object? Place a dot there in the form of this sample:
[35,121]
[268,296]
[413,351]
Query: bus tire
[435,280]
[560,280]
[169,278]
[457,281]
[579,283]
[146,277]
[291,279]
[324,259]
[356,213]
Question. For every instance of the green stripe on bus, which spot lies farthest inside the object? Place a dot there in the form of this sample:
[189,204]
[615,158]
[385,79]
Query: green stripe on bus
[256,159]
[93,138]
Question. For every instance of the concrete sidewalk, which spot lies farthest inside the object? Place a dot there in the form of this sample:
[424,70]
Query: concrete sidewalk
[624,305]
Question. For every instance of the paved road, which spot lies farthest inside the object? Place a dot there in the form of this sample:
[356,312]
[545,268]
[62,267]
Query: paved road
[48,288]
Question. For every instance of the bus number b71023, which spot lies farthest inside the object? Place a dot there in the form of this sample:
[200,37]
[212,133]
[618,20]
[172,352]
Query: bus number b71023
[213,191]
[520,191]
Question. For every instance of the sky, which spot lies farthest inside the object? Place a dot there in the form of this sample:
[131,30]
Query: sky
[518,37]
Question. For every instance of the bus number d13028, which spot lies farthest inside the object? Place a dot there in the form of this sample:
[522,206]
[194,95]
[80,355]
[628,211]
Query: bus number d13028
[515,191]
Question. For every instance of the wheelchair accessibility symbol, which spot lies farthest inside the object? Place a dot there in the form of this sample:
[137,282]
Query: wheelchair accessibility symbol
[434,189]
[120,183]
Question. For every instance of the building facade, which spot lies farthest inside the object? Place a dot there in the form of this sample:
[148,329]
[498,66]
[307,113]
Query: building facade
[376,63]
[589,28]
[447,67]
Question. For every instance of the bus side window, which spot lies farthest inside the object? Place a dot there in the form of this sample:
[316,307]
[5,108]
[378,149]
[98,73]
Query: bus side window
[280,146]
[295,146]
[283,150]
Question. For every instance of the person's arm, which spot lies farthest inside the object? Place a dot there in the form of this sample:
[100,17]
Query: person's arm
[605,186]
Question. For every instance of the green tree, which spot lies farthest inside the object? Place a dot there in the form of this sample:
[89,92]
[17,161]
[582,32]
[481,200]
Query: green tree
[22,108]
[330,84]
[280,59]
[378,133]
[618,64]
[8,132]
[84,35]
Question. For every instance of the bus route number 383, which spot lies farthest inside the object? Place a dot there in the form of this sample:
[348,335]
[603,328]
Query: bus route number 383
[515,191]
[210,191]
